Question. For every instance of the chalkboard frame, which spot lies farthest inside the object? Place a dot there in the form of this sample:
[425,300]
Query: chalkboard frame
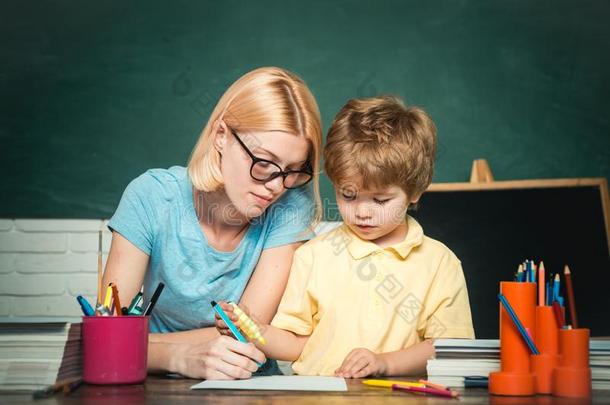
[600,182]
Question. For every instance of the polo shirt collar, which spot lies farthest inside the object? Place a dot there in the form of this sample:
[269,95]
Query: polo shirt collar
[359,248]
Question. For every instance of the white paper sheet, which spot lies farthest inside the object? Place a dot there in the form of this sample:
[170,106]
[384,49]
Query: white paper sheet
[277,382]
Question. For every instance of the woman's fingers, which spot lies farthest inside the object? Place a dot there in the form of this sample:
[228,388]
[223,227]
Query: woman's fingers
[231,371]
[244,349]
[238,360]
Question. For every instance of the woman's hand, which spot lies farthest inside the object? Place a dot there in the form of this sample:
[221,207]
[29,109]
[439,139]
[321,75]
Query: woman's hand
[360,363]
[222,358]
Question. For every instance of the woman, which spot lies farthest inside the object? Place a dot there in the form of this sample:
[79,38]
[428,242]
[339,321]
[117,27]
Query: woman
[225,227]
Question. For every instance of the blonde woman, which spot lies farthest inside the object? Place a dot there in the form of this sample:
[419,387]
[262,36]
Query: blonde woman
[225,227]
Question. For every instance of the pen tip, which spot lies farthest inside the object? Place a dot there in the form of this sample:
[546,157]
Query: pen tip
[213,303]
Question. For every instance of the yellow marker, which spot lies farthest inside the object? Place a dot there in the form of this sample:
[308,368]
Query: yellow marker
[389,383]
[108,296]
[247,325]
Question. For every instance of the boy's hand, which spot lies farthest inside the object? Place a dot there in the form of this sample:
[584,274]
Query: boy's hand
[361,363]
[221,326]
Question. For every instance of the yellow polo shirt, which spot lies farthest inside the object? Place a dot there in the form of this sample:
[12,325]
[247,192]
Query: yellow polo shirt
[347,293]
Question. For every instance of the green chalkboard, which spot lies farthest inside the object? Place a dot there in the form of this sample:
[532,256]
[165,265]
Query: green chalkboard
[95,93]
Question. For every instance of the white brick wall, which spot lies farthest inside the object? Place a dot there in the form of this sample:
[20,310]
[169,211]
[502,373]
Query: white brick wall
[46,263]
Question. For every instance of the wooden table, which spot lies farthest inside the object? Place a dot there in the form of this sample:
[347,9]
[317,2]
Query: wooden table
[161,390]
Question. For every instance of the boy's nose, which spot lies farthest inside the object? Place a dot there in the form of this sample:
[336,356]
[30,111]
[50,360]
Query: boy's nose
[362,212]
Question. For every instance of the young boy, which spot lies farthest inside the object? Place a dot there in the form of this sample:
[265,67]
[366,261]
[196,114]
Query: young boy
[368,297]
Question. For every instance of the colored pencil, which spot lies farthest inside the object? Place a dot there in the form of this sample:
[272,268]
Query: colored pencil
[520,273]
[558,314]
[541,285]
[568,277]
[390,383]
[424,390]
[99,268]
[509,309]
[433,385]
[117,302]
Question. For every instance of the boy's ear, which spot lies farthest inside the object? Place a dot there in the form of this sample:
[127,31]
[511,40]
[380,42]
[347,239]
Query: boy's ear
[220,134]
[415,200]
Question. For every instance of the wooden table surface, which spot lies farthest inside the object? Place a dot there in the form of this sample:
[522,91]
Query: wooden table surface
[162,390]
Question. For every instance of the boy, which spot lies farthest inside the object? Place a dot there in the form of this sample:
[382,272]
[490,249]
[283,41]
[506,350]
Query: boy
[368,297]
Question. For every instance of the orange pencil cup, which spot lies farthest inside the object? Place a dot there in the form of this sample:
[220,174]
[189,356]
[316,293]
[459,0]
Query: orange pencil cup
[515,377]
[547,341]
[572,377]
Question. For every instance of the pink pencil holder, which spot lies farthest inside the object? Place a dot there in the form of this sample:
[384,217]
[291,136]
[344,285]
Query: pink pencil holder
[115,349]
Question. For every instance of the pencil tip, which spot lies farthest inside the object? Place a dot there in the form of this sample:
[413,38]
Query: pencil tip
[557,277]
[566,269]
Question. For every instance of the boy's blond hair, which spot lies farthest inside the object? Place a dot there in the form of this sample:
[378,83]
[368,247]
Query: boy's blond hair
[265,99]
[381,142]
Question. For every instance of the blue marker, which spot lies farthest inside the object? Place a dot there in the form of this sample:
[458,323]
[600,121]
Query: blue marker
[85,306]
[231,325]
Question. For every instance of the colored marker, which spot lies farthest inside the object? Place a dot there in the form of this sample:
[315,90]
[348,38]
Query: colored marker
[230,325]
[85,306]
[518,324]
[154,299]
[247,325]
[102,310]
[134,307]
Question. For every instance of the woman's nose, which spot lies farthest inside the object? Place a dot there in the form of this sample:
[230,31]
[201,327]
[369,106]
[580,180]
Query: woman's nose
[276,185]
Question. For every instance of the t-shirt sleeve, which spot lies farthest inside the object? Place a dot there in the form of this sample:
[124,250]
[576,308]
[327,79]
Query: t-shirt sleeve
[136,216]
[299,303]
[447,309]
[290,218]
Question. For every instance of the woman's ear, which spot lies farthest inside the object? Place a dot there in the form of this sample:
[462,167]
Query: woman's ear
[220,135]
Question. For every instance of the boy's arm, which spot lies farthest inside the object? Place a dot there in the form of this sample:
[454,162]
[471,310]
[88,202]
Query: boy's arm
[362,362]
[281,344]
[409,361]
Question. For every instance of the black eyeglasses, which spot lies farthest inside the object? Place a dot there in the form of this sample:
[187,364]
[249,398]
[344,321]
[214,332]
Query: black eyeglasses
[266,170]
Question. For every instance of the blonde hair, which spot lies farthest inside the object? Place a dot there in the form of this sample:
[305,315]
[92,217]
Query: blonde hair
[265,99]
[382,142]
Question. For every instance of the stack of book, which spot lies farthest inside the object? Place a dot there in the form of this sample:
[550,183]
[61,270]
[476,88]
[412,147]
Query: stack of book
[36,355]
[459,358]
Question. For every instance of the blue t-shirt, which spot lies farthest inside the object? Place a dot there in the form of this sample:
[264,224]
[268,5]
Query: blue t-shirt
[156,214]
